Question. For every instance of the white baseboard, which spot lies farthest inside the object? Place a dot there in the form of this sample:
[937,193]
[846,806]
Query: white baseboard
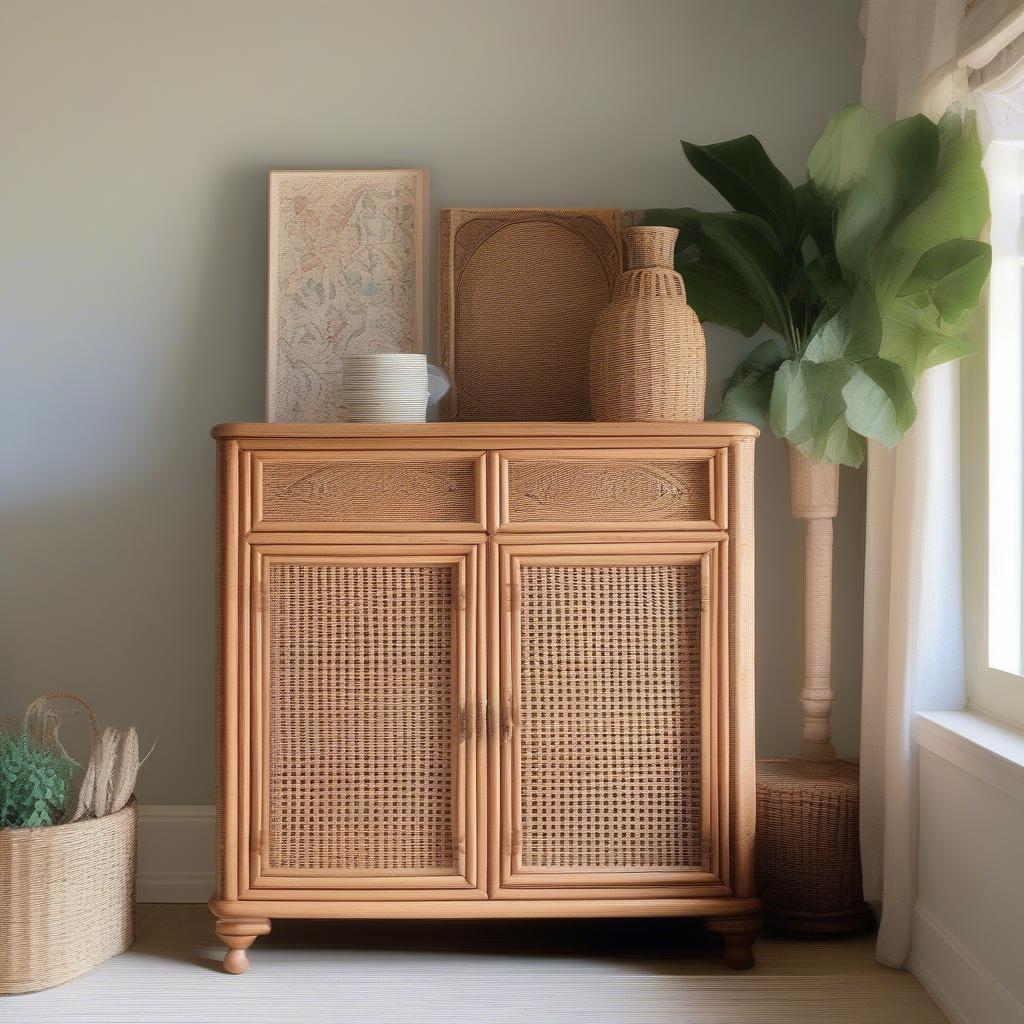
[176,853]
[958,982]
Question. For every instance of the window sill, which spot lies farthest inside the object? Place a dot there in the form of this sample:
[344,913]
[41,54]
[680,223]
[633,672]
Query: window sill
[980,746]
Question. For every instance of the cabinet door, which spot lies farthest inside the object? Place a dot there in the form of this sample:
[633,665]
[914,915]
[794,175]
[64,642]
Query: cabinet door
[363,693]
[611,693]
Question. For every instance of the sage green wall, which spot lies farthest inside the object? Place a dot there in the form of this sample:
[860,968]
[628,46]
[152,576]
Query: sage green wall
[136,140]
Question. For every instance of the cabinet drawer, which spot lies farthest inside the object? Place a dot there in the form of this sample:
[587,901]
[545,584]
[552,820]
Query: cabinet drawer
[353,490]
[657,488]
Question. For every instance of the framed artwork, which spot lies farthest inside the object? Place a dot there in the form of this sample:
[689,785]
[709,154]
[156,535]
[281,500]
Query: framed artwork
[519,293]
[346,255]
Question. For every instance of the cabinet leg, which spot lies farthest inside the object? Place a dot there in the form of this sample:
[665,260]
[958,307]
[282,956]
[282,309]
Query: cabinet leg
[238,936]
[738,934]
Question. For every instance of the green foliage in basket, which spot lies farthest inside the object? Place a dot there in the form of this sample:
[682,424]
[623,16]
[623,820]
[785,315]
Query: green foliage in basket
[35,781]
[866,274]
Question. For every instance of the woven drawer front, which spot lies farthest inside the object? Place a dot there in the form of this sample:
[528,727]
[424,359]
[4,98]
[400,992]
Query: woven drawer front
[364,489]
[360,712]
[567,490]
[610,717]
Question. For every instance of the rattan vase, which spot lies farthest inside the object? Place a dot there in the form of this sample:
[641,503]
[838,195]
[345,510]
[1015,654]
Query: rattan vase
[647,354]
[67,899]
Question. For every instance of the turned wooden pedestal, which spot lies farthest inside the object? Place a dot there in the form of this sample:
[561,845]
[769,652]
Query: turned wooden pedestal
[808,853]
[488,670]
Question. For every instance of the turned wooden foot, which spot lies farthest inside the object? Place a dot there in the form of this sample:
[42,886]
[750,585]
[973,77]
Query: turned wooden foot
[738,934]
[238,936]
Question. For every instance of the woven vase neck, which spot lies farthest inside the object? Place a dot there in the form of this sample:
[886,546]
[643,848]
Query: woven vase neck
[649,247]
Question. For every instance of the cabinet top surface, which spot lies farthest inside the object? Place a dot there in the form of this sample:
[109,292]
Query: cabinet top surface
[581,429]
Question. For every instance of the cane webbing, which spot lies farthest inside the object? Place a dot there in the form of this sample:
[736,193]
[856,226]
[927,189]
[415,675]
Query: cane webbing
[610,698]
[360,713]
[627,490]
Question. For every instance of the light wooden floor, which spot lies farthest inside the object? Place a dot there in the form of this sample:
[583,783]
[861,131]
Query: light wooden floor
[590,972]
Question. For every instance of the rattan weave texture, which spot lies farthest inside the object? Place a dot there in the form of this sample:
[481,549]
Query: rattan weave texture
[361,772]
[610,716]
[519,293]
[67,899]
[808,849]
[647,354]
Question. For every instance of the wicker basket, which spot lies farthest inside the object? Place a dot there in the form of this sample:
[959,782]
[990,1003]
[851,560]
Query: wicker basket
[808,848]
[647,354]
[67,899]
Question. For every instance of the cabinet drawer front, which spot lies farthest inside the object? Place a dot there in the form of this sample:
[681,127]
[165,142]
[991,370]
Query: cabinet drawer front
[608,706]
[646,488]
[352,490]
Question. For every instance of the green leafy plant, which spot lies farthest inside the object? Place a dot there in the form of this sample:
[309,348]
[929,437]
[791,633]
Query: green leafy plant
[866,274]
[35,781]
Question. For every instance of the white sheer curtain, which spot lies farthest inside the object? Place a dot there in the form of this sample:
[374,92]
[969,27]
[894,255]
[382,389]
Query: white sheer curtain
[919,57]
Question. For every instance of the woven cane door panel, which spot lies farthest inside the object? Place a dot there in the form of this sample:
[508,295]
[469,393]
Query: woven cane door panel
[605,489]
[360,688]
[426,490]
[608,699]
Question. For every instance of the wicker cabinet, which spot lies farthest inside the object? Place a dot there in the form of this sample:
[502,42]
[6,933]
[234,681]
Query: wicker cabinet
[485,670]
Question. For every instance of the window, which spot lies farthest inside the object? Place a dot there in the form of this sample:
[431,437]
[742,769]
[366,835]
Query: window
[992,459]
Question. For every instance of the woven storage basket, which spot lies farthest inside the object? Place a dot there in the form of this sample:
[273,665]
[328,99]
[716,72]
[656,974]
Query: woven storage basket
[647,353]
[808,845]
[67,899]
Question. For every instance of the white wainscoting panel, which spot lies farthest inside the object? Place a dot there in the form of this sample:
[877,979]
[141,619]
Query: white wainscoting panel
[176,853]
[968,935]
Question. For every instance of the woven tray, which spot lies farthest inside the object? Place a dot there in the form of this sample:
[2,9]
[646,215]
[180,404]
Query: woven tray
[519,293]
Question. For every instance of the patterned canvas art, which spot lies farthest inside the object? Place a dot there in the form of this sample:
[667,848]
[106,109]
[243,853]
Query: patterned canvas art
[345,277]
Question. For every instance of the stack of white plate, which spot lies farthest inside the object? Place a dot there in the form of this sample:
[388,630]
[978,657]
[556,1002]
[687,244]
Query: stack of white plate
[389,387]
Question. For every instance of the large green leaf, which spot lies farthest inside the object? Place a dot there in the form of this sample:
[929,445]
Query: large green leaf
[841,155]
[747,252]
[743,174]
[825,280]
[807,408]
[864,213]
[952,275]
[901,166]
[718,295]
[948,348]
[955,205]
[879,401]
[854,332]
[952,127]
[748,392]
[911,147]
[914,337]
[887,270]
[815,219]
[839,445]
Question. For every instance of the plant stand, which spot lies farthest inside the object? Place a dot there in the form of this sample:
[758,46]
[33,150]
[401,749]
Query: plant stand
[808,809]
